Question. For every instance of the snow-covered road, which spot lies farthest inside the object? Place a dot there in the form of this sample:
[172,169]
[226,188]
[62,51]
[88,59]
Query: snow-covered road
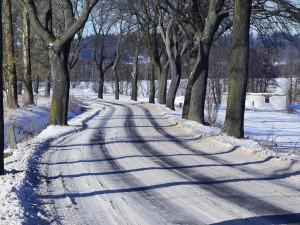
[129,164]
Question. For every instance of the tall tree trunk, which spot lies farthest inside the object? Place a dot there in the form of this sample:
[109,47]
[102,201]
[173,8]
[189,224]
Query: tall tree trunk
[117,83]
[162,79]
[134,79]
[234,121]
[36,84]
[134,75]
[175,81]
[48,26]
[101,84]
[172,42]
[195,98]
[28,92]
[61,85]
[290,89]
[187,97]
[161,70]
[12,98]
[162,87]
[116,62]
[198,85]
[20,87]
[152,86]
[1,100]
[47,86]
[59,44]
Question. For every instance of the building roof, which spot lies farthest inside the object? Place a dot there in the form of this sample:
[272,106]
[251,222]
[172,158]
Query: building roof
[262,94]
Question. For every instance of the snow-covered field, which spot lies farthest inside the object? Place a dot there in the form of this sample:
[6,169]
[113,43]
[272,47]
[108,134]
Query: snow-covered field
[281,128]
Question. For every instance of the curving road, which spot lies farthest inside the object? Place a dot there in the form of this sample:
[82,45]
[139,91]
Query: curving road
[131,165]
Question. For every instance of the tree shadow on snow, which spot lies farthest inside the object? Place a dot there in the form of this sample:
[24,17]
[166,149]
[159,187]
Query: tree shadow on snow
[265,220]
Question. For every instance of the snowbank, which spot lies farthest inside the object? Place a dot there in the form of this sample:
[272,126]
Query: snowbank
[247,143]
[17,167]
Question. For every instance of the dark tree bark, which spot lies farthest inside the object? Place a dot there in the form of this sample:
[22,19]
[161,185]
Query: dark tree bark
[102,71]
[36,84]
[134,75]
[234,121]
[20,87]
[59,49]
[101,85]
[187,97]
[175,49]
[199,74]
[117,82]
[1,100]
[162,72]
[99,61]
[47,86]
[161,69]
[175,81]
[28,92]
[152,86]
[12,94]
[148,20]
[48,26]
[61,86]
[117,58]
[203,19]
[198,85]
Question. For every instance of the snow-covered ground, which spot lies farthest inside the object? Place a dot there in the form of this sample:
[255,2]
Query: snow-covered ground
[30,123]
[12,184]
[282,127]
[270,132]
[274,129]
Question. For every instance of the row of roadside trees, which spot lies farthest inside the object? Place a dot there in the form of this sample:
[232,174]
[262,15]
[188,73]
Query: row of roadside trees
[170,31]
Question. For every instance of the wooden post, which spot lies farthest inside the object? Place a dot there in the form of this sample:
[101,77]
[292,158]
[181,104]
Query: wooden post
[12,138]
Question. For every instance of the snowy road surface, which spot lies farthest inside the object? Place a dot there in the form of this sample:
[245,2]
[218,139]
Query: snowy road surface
[131,165]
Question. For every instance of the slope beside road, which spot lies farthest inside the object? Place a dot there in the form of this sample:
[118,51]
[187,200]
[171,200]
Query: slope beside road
[128,164]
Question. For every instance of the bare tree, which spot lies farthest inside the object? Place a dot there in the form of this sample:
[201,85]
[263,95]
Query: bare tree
[28,92]
[75,45]
[217,77]
[102,21]
[152,85]
[262,71]
[123,27]
[134,74]
[1,100]
[148,19]
[12,94]
[281,13]
[176,46]
[290,71]
[234,121]
[59,44]
[206,18]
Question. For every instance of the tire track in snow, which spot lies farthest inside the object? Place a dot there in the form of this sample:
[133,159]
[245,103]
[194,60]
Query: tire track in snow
[215,187]
[166,211]
[138,192]
[223,162]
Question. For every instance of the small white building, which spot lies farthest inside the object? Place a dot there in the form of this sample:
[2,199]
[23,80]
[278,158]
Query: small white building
[264,100]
